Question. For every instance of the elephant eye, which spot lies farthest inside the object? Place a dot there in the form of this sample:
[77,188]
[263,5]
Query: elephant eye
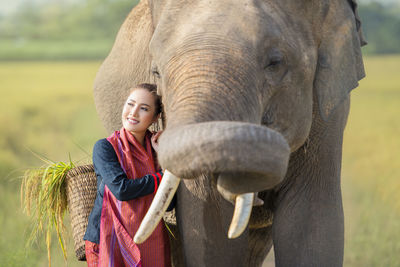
[156,74]
[274,61]
[154,71]
[275,67]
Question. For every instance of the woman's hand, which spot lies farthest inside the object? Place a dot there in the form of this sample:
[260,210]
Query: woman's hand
[154,140]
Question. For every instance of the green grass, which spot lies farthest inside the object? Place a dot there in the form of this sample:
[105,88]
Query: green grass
[48,107]
[371,167]
[54,49]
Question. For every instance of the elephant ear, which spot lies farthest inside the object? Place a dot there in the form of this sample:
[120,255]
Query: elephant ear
[340,65]
[127,65]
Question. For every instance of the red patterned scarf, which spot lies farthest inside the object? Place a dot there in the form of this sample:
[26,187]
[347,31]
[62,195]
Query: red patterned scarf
[121,219]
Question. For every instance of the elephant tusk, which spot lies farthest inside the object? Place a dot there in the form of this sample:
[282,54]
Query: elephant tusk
[165,193]
[241,215]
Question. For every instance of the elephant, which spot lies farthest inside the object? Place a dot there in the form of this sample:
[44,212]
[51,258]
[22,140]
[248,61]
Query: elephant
[256,95]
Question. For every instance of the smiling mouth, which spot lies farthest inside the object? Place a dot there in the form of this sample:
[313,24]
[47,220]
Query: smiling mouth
[132,121]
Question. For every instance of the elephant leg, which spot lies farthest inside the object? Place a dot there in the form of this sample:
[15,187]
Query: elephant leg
[260,230]
[260,243]
[203,223]
[308,227]
[176,246]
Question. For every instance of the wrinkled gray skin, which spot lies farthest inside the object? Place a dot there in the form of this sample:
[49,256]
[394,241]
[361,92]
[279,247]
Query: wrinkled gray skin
[256,95]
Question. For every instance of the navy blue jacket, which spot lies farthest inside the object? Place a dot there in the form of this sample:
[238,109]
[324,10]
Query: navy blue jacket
[109,172]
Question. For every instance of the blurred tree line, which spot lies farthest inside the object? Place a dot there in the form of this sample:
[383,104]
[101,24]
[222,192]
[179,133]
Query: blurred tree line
[58,20]
[381,27]
[87,29]
[59,30]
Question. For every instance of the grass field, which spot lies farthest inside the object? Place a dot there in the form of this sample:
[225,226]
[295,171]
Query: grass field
[48,108]
[371,167]
[43,50]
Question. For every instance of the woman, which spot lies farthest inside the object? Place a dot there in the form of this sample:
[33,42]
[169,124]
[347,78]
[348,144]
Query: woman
[125,165]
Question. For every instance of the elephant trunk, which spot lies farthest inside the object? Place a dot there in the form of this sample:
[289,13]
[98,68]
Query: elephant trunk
[210,85]
[247,157]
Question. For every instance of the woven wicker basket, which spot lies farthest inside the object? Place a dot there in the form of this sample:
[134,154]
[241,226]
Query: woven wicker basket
[81,193]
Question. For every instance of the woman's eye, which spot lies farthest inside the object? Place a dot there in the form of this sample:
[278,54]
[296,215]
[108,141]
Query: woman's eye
[130,104]
[145,109]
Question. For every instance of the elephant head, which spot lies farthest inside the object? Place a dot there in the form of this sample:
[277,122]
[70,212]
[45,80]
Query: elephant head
[243,84]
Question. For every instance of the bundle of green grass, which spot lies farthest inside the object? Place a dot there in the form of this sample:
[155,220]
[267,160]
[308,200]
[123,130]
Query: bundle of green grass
[44,198]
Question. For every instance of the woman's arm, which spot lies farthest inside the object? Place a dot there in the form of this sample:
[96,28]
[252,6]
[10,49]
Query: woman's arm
[108,167]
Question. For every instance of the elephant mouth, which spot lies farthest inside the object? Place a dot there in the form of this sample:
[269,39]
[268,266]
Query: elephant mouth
[246,157]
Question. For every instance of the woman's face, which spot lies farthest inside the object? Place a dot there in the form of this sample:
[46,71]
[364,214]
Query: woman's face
[139,111]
